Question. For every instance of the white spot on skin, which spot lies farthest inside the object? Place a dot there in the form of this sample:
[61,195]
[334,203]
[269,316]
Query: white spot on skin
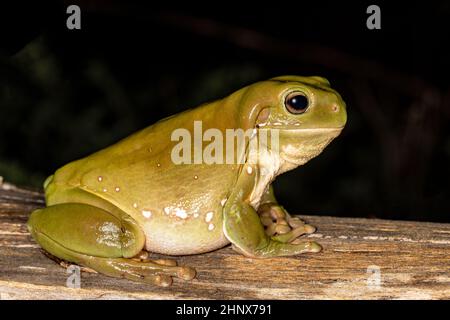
[146,213]
[158,164]
[135,205]
[222,202]
[296,124]
[100,179]
[105,190]
[209,216]
[109,234]
[166,210]
[195,215]
[210,227]
[181,213]
[277,123]
[117,189]
[249,170]
[195,177]
[109,227]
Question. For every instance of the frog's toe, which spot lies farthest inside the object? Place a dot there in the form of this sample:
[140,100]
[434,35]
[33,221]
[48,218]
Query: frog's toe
[159,272]
[163,280]
[309,246]
[141,256]
[144,256]
[272,211]
[295,221]
[307,228]
[273,217]
[166,267]
[281,226]
[186,273]
[294,233]
[166,262]
[157,280]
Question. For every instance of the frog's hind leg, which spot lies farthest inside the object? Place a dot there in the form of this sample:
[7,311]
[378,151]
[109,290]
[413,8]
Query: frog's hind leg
[95,238]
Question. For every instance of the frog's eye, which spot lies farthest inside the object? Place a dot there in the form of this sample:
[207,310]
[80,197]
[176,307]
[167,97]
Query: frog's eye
[296,103]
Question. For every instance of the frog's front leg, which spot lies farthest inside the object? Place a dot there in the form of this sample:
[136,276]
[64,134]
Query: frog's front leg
[244,229]
[106,242]
[278,222]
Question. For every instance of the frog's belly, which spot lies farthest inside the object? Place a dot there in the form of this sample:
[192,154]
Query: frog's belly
[181,235]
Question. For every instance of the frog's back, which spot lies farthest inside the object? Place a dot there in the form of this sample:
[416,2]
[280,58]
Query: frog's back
[171,202]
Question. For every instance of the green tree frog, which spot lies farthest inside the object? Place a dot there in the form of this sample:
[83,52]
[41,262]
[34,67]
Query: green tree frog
[109,210]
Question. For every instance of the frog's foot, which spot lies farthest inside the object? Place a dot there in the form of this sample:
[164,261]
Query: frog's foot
[94,238]
[66,264]
[168,266]
[145,256]
[156,272]
[279,225]
[146,270]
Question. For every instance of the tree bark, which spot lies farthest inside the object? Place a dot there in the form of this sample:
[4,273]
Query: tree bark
[362,259]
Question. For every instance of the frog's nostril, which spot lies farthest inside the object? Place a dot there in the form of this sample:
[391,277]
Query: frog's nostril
[335,108]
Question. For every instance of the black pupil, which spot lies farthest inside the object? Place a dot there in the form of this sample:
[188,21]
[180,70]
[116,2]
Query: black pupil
[298,102]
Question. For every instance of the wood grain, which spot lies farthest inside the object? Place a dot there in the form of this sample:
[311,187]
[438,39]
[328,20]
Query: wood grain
[413,259]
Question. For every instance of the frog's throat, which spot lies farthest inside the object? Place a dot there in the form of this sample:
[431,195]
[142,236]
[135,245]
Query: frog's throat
[289,156]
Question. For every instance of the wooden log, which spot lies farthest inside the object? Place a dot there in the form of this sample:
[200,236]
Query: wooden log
[362,259]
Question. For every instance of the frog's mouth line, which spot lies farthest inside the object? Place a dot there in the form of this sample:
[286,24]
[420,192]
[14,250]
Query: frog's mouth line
[291,129]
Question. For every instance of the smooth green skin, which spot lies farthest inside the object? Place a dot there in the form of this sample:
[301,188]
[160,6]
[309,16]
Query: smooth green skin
[98,207]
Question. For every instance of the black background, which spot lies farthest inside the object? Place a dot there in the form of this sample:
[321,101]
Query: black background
[67,93]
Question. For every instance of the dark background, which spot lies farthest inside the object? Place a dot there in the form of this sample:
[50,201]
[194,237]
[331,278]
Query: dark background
[67,93]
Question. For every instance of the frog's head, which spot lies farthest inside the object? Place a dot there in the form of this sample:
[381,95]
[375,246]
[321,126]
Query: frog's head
[306,113]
